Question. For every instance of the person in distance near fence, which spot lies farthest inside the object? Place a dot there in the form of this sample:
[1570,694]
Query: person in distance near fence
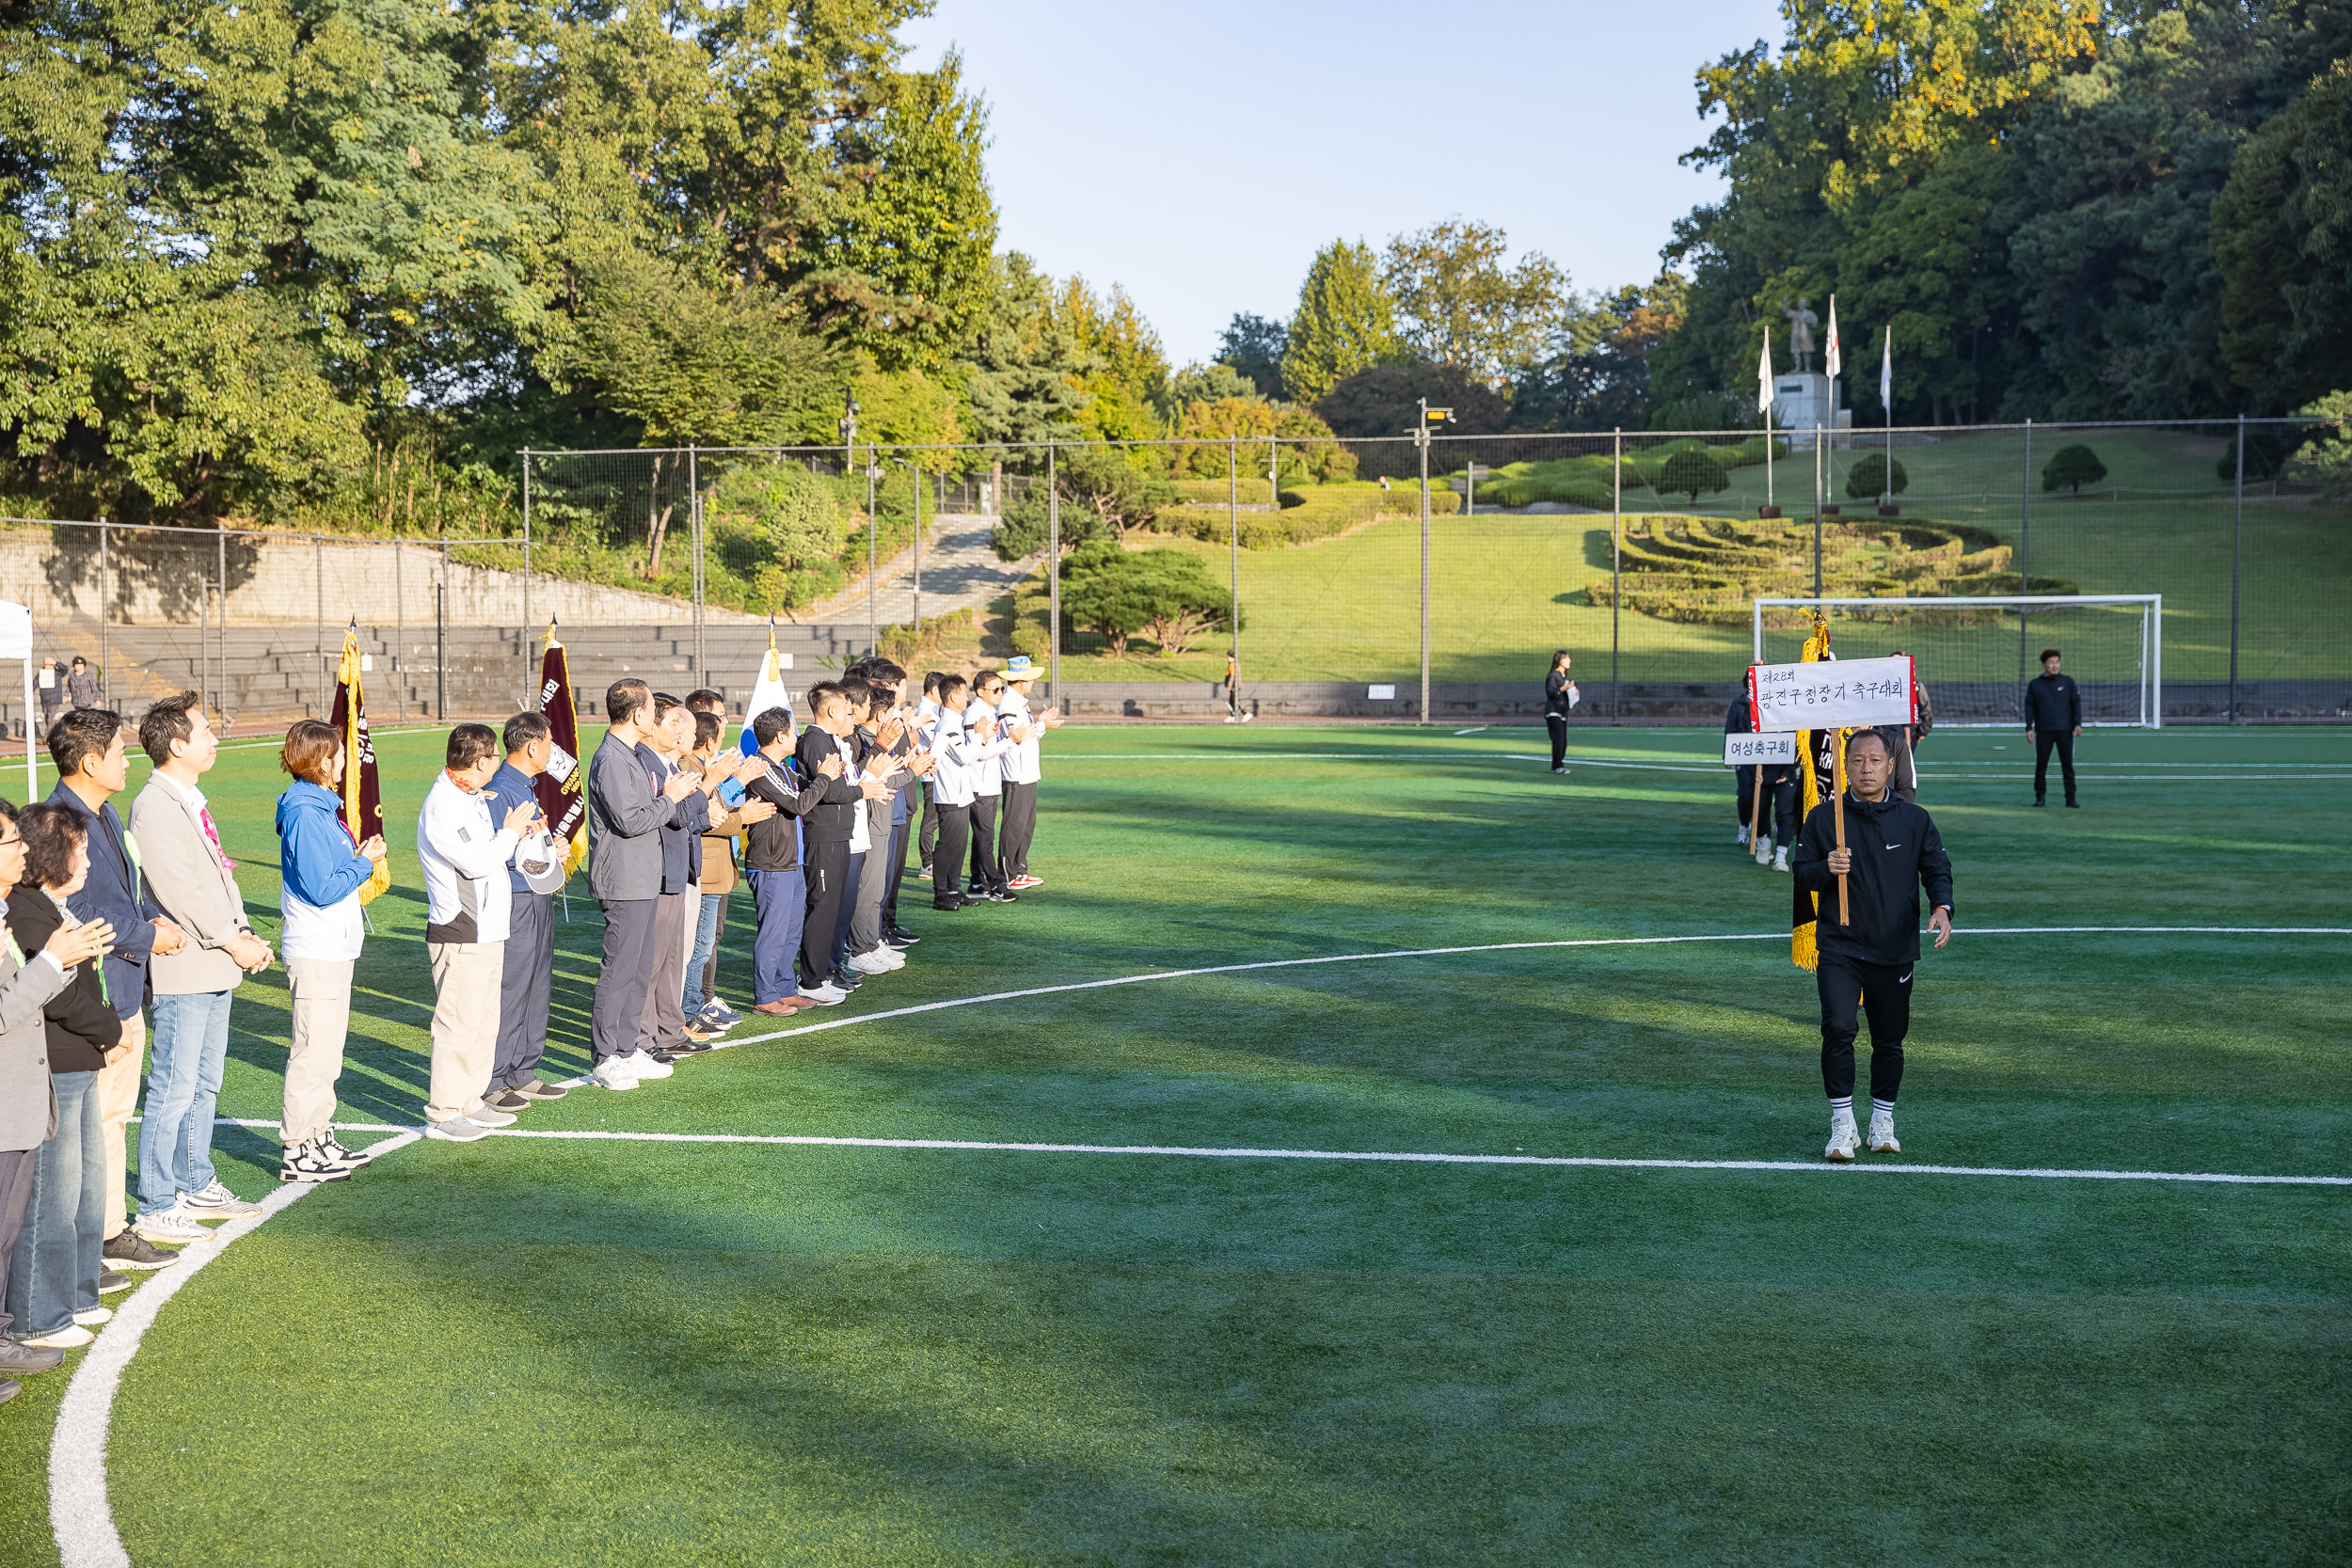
[1866,962]
[2054,714]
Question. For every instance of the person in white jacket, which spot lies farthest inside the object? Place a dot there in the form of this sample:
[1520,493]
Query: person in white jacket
[951,789]
[1023,766]
[988,782]
[468,900]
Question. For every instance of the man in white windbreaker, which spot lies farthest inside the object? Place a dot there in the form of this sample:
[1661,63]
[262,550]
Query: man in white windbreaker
[952,789]
[468,897]
[1023,768]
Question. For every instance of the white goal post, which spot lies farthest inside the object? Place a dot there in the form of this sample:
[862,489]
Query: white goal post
[1975,654]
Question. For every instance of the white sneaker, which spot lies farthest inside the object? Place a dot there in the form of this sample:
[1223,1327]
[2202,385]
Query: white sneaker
[641,1065]
[168,1227]
[95,1317]
[215,1202]
[1843,1139]
[1740,837]
[1780,858]
[457,1129]
[869,963]
[71,1337]
[1882,1133]
[1763,848]
[826,995]
[613,1073]
[891,957]
[482,1116]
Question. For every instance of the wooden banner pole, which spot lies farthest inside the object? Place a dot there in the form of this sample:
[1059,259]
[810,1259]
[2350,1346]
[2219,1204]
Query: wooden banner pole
[1837,811]
[1756,819]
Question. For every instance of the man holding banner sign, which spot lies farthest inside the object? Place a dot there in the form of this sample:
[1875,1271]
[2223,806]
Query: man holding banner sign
[1867,953]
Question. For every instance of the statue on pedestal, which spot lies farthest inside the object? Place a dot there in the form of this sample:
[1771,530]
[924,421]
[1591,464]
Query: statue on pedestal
[1801,325]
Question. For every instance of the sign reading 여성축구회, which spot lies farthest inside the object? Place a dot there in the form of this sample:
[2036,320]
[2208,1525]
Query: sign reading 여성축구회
[1744,751]
[1834,694]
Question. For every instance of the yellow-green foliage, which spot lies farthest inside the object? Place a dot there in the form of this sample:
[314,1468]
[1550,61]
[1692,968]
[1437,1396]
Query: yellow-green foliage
[1586,480]
[1706,570]
[1315,512]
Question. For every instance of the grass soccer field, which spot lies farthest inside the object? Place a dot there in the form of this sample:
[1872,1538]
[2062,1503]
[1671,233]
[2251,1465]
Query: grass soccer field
[655,1331]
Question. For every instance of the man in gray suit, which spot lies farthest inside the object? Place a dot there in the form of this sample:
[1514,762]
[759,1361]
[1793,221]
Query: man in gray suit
[627,812]
[28,1107]
[194,882]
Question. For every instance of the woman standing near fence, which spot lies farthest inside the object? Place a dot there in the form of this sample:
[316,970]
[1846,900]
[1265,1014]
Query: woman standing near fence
[1560,696]
[323,873]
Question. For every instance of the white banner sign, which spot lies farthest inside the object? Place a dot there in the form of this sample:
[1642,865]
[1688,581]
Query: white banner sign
[1834,694]
[1741,751]
[16,631]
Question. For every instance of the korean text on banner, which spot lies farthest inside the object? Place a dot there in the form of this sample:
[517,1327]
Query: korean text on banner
[1746,750]
[1834,694]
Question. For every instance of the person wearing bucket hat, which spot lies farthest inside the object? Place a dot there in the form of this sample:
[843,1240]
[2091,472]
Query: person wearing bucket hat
[1022,725]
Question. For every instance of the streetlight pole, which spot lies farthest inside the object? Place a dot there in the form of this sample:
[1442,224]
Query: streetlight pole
[847,426]
[1421,441]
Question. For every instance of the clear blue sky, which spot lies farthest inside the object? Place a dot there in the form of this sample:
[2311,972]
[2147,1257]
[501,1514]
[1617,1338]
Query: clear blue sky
[1200,153]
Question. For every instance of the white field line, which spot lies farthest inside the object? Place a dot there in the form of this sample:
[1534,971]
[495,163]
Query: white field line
[78,1510]
[84,1523]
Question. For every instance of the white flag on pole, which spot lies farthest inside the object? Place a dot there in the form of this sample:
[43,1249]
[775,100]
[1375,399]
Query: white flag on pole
[767,693]
[1764,377]
[1886,372]
[1833,360]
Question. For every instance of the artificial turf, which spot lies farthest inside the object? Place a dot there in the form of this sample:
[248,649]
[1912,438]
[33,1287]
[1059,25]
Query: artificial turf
[555,1352]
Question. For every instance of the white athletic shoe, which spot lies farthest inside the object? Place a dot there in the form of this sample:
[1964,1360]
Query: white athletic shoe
[457,1129]
[482,1116]
[1780,858]
[1843,1139]
[869,963]
[215,1202]
[1882,1133]
[613,1073]
[94,1317]
[825,995]
[1763,848]
[891,956]
[168,1227]
[642,1066]
[1740,837]
[71,1337]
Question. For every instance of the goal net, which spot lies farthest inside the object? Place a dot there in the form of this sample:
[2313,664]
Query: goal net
[1975,656]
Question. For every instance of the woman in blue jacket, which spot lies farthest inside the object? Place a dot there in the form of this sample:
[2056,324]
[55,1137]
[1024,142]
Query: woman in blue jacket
[323,873]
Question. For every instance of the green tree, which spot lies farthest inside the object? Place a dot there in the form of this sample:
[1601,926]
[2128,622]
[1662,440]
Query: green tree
[1868,478]
[1691,472]
[2070,468]
[1292,438]
[1251,347]
[1457,302]
[1126,368]
[1024,371]
[1346,321]
[2326,454]
[1163,594]
[2282,232]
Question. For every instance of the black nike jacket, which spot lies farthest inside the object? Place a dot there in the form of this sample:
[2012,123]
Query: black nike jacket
[1896,853]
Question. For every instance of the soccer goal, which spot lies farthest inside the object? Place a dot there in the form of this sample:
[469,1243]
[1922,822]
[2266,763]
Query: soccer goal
[1975,656]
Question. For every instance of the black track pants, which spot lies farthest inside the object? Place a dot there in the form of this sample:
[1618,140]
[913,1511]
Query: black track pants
[828,868]
[1883,991]
[1559,728]
[955,837]
[2043,741]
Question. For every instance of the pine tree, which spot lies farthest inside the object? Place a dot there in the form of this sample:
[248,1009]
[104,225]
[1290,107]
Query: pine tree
[1346,321]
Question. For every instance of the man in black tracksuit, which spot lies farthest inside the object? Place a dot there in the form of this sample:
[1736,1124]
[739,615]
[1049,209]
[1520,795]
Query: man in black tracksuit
[2054,713]
[827,830]
[1891,851]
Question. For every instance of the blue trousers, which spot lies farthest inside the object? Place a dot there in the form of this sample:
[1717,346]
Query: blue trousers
[52,1268]
[779,901]
[705,937]
[184,1064]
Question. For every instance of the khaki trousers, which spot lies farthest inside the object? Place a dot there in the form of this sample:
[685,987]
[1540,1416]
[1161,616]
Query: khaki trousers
[118,1088]
[465,1023]
[321,990]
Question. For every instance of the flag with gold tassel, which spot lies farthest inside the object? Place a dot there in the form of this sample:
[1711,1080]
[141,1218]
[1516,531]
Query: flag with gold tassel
[1803,950]
[363,792]
[562,797]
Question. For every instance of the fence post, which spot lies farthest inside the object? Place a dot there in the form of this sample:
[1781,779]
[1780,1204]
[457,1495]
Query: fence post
[441,641]
[220,666]
[2025,558]
[1233,533]
[915,473]
[204,642]
[1052,576]
[1617,553]
[529,686]
[104,670]
[694,539]
[2237,558]
[400,624]
[1817,510]
[1424,569]
[318,589]
[873,560]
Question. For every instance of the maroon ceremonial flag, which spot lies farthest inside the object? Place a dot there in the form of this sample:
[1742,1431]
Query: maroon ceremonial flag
[563,794]
[363,794]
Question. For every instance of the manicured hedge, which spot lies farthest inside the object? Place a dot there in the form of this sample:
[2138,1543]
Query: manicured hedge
[1315,512]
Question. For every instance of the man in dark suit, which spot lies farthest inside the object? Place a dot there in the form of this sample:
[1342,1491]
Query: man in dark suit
[92,766]
[2054,714]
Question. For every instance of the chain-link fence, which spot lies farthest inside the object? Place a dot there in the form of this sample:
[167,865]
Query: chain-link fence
[1639,553]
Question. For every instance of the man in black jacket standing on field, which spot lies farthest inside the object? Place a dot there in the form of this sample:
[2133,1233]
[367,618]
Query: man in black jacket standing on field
[1891,851]
[2053,712]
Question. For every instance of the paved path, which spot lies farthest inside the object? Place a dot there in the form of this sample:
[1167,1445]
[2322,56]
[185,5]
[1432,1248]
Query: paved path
[960,568]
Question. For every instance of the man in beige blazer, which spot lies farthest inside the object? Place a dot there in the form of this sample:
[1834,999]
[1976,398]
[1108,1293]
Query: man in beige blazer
[195,882]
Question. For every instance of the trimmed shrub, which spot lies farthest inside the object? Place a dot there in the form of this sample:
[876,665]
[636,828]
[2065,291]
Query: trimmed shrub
[1319,513]
[2070,469]
[1166,595]
[1691,473]
[1869,478]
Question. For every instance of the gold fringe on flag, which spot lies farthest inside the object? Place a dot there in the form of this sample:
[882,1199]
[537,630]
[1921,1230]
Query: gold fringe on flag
[1803,950]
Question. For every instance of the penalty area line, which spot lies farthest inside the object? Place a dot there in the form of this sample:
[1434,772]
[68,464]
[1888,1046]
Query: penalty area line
[1554,1162]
